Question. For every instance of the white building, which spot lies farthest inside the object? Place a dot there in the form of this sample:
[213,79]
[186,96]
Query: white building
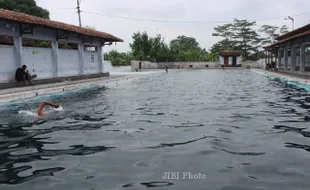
[49,61]
[230,58]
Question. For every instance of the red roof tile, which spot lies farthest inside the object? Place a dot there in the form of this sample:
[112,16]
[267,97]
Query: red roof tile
[294,32]
[289,38]
[231,53]
[29,19]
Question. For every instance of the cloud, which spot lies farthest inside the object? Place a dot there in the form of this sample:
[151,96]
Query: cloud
[177,10]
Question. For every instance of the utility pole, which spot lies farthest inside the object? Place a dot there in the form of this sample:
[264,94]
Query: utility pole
[79,12]
[292,19]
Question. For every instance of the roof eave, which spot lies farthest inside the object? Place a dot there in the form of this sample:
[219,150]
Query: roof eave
[14,17]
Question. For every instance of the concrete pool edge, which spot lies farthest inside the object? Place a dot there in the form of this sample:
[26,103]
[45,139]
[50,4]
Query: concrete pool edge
[291,80]
[62,89]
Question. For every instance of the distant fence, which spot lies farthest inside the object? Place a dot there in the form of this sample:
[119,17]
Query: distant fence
[108,67]
[182,65]
[186,65]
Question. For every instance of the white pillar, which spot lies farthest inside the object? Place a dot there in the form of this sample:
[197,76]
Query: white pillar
[18,45]
[81,57]
[55,58]
[293,60]
[100,58]
[302,58]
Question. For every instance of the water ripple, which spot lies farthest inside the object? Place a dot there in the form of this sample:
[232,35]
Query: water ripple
[164,145]
[236,125]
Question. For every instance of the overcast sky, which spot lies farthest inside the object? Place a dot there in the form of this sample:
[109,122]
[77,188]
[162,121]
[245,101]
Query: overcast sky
[208,13]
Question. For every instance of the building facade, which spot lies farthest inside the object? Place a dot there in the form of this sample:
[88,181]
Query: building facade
[230,58]
[292,51]
[50,61]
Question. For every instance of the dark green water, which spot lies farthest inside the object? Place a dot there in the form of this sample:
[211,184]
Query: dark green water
[235,129]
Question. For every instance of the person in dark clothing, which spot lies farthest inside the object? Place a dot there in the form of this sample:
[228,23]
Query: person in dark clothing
[21,75]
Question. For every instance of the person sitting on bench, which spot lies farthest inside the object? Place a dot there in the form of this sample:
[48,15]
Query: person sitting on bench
[22,75]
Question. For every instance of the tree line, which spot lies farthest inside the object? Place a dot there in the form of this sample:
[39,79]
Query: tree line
[155,49]
[240,35]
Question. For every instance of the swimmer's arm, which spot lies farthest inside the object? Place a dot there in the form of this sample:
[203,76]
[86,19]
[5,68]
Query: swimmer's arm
[44,103]
[50,104]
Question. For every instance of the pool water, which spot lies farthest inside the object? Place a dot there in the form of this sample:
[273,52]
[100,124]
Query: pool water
[210,129]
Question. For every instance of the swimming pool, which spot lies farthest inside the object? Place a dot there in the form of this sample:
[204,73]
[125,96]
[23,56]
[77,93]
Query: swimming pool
[210,129]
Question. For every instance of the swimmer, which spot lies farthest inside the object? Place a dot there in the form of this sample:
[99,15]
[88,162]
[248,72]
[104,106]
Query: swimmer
[41,106]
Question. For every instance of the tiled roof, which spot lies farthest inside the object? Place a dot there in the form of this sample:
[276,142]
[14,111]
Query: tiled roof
[24,18]
[294,32]
[231,53]
[289,38]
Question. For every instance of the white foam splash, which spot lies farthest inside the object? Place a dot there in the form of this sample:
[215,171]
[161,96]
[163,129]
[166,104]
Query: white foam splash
[27,113]
[34,114]
[58,109]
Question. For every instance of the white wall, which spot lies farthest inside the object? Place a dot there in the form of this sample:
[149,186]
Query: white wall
[255,64]
[38,61]
[221,60]
[150,65]
[197,65]
[8,66]
[239,60]
[108,67]
[145,65]
[68,62]
[91,65]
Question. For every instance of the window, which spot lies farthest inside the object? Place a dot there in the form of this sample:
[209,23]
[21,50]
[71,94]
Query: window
[282,53]
[307,54]
[92,58]
[289,52]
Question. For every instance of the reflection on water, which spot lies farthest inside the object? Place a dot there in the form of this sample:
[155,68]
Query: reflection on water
[241,129]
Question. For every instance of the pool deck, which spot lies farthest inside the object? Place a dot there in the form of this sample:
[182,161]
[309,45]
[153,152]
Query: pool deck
[291,77]
[26,92]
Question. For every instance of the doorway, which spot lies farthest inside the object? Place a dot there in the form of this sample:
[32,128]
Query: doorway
[225,60]
[234,61]
[140,65]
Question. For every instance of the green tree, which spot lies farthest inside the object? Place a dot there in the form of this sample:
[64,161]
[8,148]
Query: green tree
[270,33]
[25,6]
[223,45]
[225,31]
[182,47]
[245,37]
[141,46]
[284,30]
[155,49]
[118,59]
[164,53]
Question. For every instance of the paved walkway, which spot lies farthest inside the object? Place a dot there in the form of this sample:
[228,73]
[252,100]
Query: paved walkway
[300,79]
[19,93]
